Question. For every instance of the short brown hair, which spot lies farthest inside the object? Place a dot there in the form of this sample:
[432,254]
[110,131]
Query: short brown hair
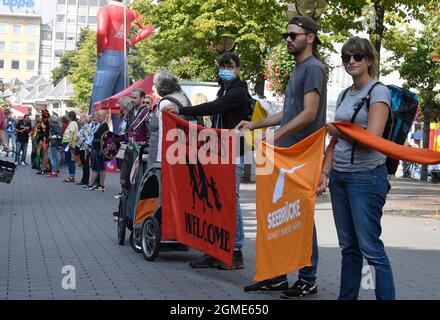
[362,45]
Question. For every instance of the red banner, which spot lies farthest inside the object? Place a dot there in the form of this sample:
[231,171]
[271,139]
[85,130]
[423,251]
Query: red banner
[198,187]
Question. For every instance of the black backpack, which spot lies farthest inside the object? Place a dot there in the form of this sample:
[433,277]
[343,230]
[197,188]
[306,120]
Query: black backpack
[403,109]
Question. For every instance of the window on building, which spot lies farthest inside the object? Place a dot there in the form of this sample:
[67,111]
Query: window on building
[46,52]
[16,28]
[71,2]
[70,36]
[93,3]
[15,64]
[32,29]
[59,53]
[82,19]
[2,64]
[16,46]
[47,35]
[92,20]
[31,47]
[2,46]
[71,20]
[61,1]
[61,17]
[30,65]
[83,2]
[59,35]
[2,27]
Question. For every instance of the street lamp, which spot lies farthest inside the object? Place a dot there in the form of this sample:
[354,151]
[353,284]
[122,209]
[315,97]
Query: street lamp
[310,8]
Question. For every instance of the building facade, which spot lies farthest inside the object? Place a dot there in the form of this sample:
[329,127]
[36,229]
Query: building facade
[20,24]
[70,17]
[46,50]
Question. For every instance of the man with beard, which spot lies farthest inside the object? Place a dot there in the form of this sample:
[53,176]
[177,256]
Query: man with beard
[304,113]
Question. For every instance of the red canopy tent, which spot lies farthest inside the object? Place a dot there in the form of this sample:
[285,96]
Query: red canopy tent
[19,110]
[111,103]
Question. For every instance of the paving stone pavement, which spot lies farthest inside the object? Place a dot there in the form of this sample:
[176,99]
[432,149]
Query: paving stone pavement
[46,224]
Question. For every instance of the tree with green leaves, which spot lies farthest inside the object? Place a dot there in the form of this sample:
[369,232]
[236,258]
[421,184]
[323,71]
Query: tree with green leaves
[416,55]
[83,70]
[189,31]
[63,70]
[375,17]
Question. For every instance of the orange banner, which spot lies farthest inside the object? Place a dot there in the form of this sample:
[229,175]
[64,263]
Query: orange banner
[388,148]
[286,204]
[198,187]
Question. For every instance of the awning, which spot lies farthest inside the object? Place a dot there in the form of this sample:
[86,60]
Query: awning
[19,111]
[112,102]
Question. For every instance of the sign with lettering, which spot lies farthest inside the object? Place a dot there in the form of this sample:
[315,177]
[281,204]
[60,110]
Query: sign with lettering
[198,187]
[20,6]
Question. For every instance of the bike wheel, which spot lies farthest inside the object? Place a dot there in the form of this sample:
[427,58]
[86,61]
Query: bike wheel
[122,223]
[151,238]
[135,241]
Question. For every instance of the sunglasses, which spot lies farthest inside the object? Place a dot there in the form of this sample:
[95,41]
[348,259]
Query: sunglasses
[358,57]
[292,35]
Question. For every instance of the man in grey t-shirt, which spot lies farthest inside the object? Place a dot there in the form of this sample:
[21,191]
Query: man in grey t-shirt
[304,113]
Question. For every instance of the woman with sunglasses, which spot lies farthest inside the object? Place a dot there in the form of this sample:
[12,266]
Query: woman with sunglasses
[358,175]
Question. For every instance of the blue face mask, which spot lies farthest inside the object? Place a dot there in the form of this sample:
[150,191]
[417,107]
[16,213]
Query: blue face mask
[226,75]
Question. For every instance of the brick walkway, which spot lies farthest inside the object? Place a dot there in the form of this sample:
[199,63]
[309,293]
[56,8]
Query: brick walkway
[46,224]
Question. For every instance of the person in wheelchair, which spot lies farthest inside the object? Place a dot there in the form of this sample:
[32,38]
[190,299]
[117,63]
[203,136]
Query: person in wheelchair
[168,91]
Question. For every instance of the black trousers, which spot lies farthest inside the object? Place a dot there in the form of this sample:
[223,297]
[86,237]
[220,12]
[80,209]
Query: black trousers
[85,166]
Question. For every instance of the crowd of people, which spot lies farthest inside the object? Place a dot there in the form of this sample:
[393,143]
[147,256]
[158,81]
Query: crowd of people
[356,175]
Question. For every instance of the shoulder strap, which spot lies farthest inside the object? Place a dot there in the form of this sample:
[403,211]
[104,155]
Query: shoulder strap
[174,100]
[368,97]
[343,96]
[365,100]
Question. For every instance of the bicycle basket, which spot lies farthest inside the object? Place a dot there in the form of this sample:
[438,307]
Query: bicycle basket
[7,170]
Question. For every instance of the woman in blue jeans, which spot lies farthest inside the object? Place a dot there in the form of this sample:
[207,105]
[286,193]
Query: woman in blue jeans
[358,175]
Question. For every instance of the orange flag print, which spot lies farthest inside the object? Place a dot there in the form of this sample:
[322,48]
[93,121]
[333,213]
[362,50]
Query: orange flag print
[286,204]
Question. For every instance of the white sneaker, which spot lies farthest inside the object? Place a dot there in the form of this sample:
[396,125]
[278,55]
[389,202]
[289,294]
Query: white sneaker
[23,163]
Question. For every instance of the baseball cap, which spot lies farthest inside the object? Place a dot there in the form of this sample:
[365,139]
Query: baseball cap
[306,23]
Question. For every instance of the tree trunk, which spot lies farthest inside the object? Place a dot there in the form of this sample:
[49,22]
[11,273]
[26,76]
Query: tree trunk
[376,34]
[427,115]
[259,85]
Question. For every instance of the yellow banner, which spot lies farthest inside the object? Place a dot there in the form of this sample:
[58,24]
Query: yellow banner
[286,204]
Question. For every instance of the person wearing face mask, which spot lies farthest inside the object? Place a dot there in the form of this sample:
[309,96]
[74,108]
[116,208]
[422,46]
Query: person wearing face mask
[228,110]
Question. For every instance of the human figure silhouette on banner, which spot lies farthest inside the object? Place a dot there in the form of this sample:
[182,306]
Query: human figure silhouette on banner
[111,72]
[214,190]
[193,181]
[204,191]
